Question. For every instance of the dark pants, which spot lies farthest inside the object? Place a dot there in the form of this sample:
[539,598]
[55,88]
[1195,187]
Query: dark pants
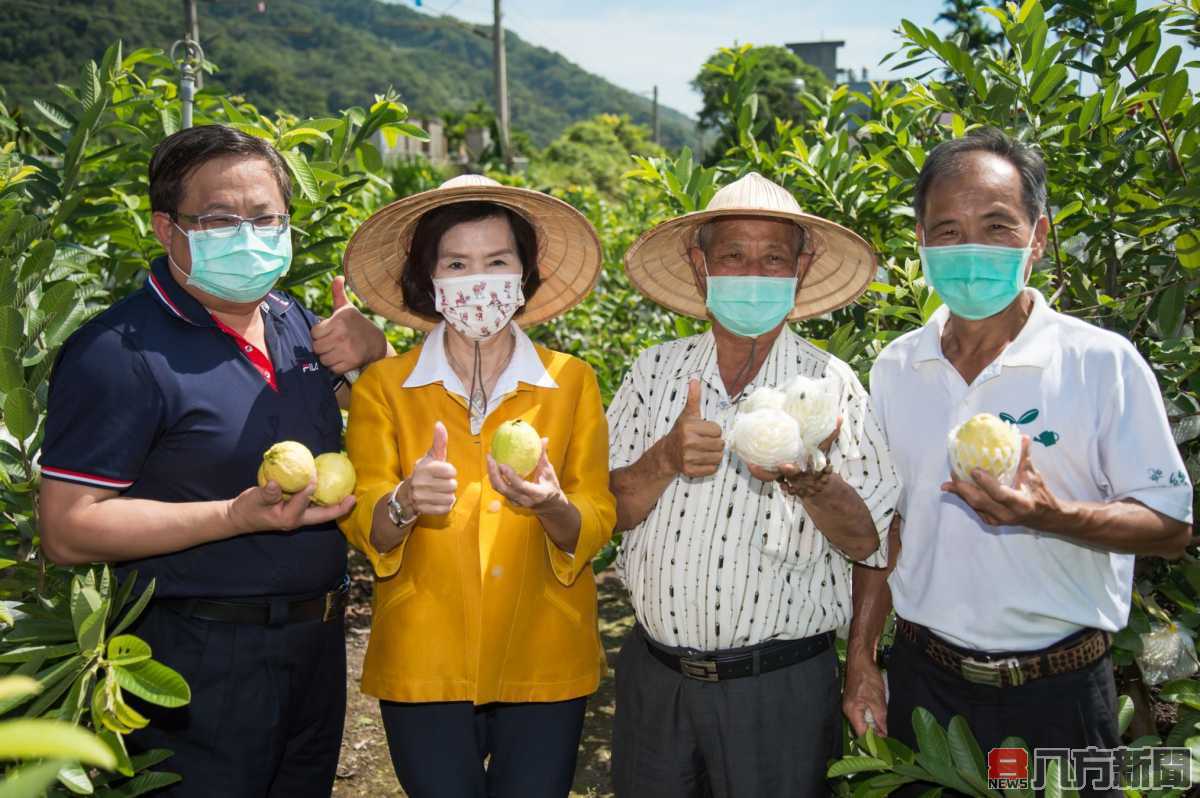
[267,708]
[438,748]
[1070,710]
[766,736]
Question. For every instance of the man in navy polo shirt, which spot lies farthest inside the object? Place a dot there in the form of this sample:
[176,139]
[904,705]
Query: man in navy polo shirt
[160,410]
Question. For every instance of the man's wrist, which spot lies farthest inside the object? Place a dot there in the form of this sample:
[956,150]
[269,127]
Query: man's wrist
[664,464]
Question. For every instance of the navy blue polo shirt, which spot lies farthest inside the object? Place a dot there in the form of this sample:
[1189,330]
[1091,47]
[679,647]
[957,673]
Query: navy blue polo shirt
[153,399]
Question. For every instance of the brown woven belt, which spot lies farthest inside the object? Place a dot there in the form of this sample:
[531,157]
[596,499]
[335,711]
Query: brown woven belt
[1072,655]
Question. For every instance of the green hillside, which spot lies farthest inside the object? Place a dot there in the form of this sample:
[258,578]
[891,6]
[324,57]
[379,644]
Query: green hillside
[314,56]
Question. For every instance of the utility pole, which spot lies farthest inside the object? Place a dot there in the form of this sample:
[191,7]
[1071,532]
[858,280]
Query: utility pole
[501,66]
[654,117]
[191,27]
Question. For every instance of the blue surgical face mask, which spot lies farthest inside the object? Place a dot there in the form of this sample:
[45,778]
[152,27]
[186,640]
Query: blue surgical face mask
[242,267]
[976,280]
[750,306]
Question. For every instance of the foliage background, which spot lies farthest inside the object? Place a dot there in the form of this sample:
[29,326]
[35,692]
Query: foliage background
[1094,85]
[318,56]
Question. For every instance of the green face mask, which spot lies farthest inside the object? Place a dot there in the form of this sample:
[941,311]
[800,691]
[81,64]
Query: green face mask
[750,305]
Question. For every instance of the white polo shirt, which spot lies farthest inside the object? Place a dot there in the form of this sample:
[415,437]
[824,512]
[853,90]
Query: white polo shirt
[1100,434]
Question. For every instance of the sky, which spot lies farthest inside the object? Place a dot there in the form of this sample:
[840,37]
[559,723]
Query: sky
[638,44]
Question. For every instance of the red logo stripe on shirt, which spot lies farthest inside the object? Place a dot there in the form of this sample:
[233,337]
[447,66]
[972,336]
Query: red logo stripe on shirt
[166,299]
[87,479]
[259,359]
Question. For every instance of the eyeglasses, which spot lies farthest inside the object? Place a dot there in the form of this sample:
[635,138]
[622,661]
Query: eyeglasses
[226,225]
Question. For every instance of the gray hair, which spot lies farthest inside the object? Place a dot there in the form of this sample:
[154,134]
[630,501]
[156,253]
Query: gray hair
[946,159]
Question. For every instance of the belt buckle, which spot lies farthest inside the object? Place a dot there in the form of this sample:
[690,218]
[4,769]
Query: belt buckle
[992,673]
[330,601]
[704,670]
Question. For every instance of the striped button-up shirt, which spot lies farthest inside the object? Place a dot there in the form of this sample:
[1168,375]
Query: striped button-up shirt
[727,560]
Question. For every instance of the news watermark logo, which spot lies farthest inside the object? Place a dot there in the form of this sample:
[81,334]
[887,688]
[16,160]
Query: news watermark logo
[1090,768]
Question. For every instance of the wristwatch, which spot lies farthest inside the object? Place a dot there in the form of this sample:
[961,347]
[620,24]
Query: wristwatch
[396,510]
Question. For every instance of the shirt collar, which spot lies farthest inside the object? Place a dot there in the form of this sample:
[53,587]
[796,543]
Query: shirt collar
[702,362]
[178,302]
[1031,347]
[433,365]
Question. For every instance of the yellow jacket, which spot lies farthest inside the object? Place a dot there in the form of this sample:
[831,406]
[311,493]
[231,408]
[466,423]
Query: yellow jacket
[480,605]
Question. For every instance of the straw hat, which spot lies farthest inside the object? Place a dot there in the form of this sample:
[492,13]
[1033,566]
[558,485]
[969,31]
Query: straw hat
[843,263]
[568,256]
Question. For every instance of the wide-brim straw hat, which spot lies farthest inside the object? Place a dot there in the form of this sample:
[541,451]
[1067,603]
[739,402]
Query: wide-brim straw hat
[843,263]
[568,257]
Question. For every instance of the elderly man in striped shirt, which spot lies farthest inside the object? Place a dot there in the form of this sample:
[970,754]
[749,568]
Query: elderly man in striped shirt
[738,576]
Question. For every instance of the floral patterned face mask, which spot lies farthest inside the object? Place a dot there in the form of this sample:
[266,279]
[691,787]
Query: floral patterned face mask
[478,306]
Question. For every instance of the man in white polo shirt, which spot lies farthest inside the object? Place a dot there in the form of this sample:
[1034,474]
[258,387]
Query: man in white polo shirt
[729,684]
[1005,596]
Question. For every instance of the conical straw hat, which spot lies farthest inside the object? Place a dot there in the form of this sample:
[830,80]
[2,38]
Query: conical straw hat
[843,263]
[569,259]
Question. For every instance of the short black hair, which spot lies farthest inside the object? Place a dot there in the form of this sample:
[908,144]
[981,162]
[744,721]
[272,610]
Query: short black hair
[946,158]
[180,154]
[416,280]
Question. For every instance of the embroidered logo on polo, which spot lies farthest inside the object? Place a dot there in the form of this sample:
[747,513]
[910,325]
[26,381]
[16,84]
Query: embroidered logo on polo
[308,367]
[1045,437]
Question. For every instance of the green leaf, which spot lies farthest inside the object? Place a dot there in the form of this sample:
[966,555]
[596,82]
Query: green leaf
[154,682]
[1171,306]
[964,749]
[933,745]
[41,738]
[1182,691]
[75,779]
[855,764]
[1047,82]
[304,176]
[12,328]
[12,374]
[143,783]
[1067,211]
[136,609]
[20,413]
[1174,88]
[54,114]
[1125,712]
[30,781]
[1187,250]
[1028,417]
[127,650]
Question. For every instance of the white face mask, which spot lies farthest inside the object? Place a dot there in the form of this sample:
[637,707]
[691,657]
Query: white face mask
[478,306]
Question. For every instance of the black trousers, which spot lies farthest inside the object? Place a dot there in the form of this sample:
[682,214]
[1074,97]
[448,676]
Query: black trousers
[438,748]
[1070,710]
[267,709]
[766,736]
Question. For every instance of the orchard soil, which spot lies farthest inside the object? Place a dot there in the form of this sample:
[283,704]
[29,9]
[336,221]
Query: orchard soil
[366,770]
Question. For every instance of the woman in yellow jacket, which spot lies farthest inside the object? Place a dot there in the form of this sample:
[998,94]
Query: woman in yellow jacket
[483,639]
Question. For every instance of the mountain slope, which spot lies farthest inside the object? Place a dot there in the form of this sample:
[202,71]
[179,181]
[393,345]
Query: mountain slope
[313,56]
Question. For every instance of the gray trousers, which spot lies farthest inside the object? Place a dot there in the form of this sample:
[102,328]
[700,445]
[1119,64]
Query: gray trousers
[767,736]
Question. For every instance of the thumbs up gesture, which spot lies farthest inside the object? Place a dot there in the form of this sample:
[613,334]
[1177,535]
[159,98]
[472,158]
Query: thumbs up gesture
[347,340]
[433,482]
[694,447]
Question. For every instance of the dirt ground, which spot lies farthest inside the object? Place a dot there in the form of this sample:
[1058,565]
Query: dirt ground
[366,770]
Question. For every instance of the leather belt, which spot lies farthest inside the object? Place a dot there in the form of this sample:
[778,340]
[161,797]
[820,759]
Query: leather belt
[258,612]
[719,667]
[1073,654]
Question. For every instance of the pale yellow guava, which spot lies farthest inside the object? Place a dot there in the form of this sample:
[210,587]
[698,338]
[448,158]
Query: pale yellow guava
[985,442]
[290,464]
[517,445]
[335,479]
